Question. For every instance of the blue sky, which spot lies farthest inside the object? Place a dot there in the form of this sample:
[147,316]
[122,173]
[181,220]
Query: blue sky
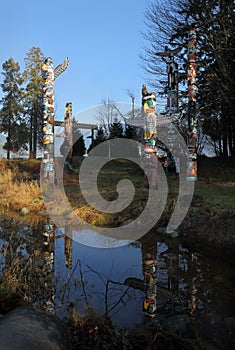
[102,39]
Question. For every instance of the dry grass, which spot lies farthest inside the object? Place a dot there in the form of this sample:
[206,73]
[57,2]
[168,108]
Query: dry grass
[15,194]
[13,285]
[19,189]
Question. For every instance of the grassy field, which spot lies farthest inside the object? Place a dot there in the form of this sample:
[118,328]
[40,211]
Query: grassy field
[213,206]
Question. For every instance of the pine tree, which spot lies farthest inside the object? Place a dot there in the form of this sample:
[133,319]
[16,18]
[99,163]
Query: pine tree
[116,130]
[33,99]
[130,132]
[100,136]
[79,148]
[11,113]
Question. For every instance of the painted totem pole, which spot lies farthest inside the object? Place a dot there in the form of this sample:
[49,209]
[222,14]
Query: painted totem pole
[48,119]
[49,75]
[150,137]
[192,119]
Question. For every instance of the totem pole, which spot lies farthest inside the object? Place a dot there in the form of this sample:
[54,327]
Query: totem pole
[172,88]
[150,137]
[68,129]
[49,75]
[192,118]
[172,107]
[48,119]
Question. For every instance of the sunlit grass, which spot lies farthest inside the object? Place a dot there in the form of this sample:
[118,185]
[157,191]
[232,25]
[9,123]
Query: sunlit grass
[17,190]
[19,187]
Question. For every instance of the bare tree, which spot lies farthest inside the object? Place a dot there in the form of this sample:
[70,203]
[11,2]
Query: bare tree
[107,114]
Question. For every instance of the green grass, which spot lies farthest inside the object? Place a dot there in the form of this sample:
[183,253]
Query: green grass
[221,195]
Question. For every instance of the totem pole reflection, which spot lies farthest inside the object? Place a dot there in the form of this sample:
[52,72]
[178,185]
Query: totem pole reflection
[173,266]
[149,284]
[48,254]
[149,256]
[48,268]
[68,248]
[158,290]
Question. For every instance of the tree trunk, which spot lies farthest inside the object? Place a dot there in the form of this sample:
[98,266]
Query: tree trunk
[35,128]
[34,139]
[8,139]
[230,140]
[220,146]
[31,138]
[225,146]
[233,139]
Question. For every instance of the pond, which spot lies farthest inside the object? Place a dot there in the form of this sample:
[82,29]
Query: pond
[150,279]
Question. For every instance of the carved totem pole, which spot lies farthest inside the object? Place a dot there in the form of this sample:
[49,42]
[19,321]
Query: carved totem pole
[150,137]
[192,117]
[49,75]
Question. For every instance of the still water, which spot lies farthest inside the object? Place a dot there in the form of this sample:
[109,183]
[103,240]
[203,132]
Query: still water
[153,278]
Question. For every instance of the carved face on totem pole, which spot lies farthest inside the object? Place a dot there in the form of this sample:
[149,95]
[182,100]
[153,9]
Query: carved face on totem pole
[149,103]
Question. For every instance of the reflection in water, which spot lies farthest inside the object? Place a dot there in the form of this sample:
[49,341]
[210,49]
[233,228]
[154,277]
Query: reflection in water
[68,251]
[156,279]
[48,253]
[149,255]
[149,283]
[48,257]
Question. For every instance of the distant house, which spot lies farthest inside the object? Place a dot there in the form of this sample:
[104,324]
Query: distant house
[3,153]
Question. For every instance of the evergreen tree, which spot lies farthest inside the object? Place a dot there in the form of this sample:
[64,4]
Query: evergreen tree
[33,98]
[11,113]
[79,148]
[130,132]
[116,130]
[100,136]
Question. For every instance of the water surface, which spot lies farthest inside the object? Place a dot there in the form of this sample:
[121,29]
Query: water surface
[153,278]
